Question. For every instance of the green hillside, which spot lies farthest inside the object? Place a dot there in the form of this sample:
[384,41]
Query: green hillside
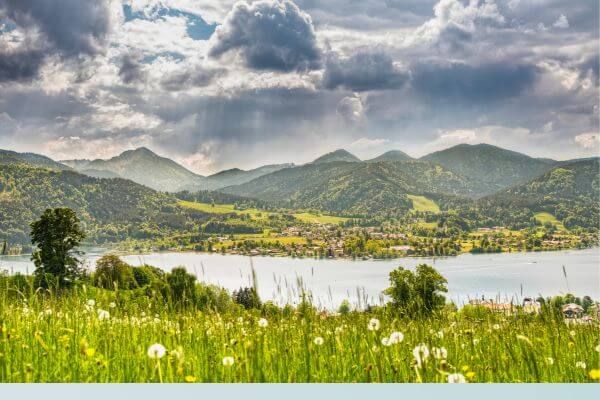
[111,209]
[489,167]
[335,156]
[353,188]
[570,193]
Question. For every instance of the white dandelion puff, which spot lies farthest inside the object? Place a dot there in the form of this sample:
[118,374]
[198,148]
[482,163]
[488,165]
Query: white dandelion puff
[439,353]
[386,341]
[156,351]
[263,323]
[396,337]
[103,315]
[319,341]
[228,361]
[374,324]
[456,378]
[421,354]
[580,364]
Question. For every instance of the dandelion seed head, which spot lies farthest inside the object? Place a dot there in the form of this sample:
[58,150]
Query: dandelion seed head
[228,361]
[103,315]
[496,326]
[91,302]
[319,341]
[396,337]
[386,341]
[549,360]
[439,353]
[112,304]
[580,364]
[263,323]
[156,351]
[456,378]
[421,354]
[374,324]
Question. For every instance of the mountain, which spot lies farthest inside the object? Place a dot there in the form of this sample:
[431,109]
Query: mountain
[392,155]
[238,176]
[353,188]
[338,155]
[111,209]
[570,192]
[492,167]
[12,157]
[144,167]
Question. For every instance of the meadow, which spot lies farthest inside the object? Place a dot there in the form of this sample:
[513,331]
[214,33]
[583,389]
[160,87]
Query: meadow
[87,334]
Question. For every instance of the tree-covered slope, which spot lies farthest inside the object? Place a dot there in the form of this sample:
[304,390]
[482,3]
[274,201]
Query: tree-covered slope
[238,176]
[110,208]
[38,160]
[353,188]
[491,167]
[570,192]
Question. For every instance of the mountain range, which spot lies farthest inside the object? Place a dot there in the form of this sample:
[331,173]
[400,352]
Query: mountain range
[125,195]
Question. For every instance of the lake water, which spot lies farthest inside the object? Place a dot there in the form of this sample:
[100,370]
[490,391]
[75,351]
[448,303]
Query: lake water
[505,276]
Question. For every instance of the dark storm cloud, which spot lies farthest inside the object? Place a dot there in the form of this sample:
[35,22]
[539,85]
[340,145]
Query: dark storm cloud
[68,28]
[20,65]
[131,69]
[269,35]
[195,76]
[365,70]
[468,83]
[72,26]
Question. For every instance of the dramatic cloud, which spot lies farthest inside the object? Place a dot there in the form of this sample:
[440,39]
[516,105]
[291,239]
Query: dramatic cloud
[268,35]
[482,83]
[365,70]
[223,84]
[68,28]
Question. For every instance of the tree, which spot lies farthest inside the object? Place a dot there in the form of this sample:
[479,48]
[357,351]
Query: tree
[56,235]
[113,273]
[182,286]
[417,292]
[247,297]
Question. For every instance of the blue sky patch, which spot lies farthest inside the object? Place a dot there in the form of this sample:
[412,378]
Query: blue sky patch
[197,28]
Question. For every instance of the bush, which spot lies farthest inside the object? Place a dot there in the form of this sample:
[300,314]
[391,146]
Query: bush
[247,297]
[113,273]
[417,292]
[182,287]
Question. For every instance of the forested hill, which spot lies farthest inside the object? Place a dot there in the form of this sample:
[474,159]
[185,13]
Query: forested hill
[491,167]
[353,188]
[570,192]
[111,209]
[8,157]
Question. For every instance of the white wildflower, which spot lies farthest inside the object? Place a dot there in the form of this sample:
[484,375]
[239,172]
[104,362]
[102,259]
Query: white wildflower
[319,341]
[581,364]
[263,323]
[156,351]
[421,354]
[496,326]
[91,302]
[112,304]
[396,337]
[228,361]
[456,378]
[103,315]
[385,341]
[374,324]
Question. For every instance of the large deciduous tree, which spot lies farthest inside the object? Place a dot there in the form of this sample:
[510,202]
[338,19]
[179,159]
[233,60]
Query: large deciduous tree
[56,235]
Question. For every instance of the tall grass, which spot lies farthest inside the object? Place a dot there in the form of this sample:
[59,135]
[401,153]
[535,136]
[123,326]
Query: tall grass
[92,335]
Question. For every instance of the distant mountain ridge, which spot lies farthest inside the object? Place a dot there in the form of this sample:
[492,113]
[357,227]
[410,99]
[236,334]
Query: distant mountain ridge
[144,167]
[335,156]
[38,160]
[493,167]
[392,155]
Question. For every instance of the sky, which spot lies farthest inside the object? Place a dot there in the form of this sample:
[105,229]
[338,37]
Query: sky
[217,84]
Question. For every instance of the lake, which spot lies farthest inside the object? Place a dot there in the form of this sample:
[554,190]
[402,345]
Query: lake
[503,276]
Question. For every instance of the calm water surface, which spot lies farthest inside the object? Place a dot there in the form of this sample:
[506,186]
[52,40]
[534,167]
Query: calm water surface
[505,276]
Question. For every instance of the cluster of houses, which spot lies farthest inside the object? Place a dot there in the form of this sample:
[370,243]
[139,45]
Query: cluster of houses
[570,311]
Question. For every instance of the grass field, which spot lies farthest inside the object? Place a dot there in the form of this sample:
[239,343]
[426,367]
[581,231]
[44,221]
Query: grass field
[258,214]
[423,204]
[88,335]
[544,217]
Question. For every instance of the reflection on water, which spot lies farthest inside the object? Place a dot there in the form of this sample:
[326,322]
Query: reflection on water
[506,276]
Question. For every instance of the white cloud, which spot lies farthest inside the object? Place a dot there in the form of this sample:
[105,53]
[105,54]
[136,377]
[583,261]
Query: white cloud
[367,143]
[562,22]
[588,140]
